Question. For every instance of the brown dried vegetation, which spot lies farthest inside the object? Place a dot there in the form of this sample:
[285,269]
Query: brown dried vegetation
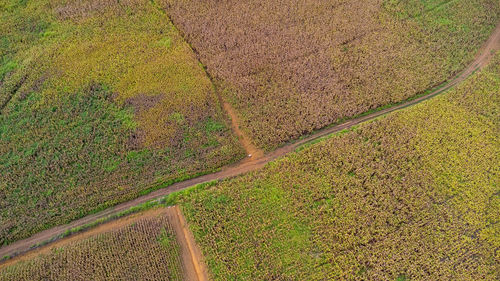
[290,67]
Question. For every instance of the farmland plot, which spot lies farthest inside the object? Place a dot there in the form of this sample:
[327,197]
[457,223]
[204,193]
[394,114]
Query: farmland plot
[290,67]
[411,196]
[100,102]
[144,248]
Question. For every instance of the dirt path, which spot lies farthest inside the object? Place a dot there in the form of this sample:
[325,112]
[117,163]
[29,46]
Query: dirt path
[481,60]
[252,151]
[191,255]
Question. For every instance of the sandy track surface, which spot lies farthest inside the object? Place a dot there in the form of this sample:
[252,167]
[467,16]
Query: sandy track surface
[192,259]
[485,54]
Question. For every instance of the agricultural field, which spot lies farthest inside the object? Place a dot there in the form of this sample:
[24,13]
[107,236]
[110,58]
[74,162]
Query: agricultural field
[292,67]
[144,249]
[412,196]
[100,101]
[104,101]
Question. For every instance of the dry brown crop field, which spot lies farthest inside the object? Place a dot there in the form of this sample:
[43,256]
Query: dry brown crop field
[290,67]
[410,196]
[100,102]
[145,248]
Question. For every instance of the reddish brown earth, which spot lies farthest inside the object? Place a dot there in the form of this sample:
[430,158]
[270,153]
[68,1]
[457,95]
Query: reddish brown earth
[484,56]
[252,151]
[192,258]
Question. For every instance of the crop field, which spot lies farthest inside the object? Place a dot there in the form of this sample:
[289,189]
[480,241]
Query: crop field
[100,101]
[224,111]
[410,196]
[145,249]
[292,67]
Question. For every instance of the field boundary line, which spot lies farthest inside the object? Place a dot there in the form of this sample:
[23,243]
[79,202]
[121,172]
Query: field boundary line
[246,142]
[188,240]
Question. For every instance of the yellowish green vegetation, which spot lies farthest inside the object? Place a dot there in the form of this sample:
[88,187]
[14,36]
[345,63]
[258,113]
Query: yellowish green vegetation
[146,249]
[100,101]
[411,196]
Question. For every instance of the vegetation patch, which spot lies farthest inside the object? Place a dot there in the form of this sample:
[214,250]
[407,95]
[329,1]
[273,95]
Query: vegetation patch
[291,68]
[100,101]
[411,196]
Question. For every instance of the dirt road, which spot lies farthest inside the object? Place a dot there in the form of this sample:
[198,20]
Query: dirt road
[192,259]
[252,151]
[481,60]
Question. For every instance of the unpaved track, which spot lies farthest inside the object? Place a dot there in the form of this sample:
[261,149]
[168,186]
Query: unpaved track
[252,151]
[192,259]
[481,60]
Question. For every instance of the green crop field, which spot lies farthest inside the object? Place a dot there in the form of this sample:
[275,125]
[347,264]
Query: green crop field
[410,196]
[100,101]
[143,250]
[292,67]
